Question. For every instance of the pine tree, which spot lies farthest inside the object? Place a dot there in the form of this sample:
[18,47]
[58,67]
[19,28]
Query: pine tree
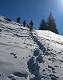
[52,24]
[43,25]
[18,19]
[31,25]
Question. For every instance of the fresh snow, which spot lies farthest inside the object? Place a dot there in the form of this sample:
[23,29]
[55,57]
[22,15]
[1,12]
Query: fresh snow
[50,36]
[25,55]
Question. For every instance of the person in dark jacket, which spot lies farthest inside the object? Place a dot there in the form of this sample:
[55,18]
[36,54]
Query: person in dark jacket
[24,23]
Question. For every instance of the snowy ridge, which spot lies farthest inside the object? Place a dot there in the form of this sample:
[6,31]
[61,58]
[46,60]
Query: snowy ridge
[50,36]
[25,55]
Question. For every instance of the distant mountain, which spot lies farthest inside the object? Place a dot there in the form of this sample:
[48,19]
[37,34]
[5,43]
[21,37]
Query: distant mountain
[25,55]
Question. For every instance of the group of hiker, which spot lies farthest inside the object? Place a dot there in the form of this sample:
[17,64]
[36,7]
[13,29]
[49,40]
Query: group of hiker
[29,25]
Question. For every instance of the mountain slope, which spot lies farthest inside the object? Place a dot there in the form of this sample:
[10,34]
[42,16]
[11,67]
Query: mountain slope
[25,55]
[53,57]
[16,47]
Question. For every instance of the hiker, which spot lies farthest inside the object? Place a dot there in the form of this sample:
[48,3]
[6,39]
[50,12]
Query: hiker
[24,23]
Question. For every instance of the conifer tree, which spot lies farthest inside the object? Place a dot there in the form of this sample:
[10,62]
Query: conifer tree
[52,24]
[43,25]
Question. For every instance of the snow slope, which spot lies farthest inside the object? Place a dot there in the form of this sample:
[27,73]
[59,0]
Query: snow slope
[25,55]
[16,47]
[53,57]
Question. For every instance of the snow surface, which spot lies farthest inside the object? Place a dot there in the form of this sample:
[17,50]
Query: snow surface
[25,55]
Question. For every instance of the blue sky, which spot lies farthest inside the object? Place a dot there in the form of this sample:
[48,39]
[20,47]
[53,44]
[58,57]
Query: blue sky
[33,9]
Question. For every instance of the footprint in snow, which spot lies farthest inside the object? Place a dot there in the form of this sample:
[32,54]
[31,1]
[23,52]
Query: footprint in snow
[11,77]
[14,55]
[53,77]
[18,74]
